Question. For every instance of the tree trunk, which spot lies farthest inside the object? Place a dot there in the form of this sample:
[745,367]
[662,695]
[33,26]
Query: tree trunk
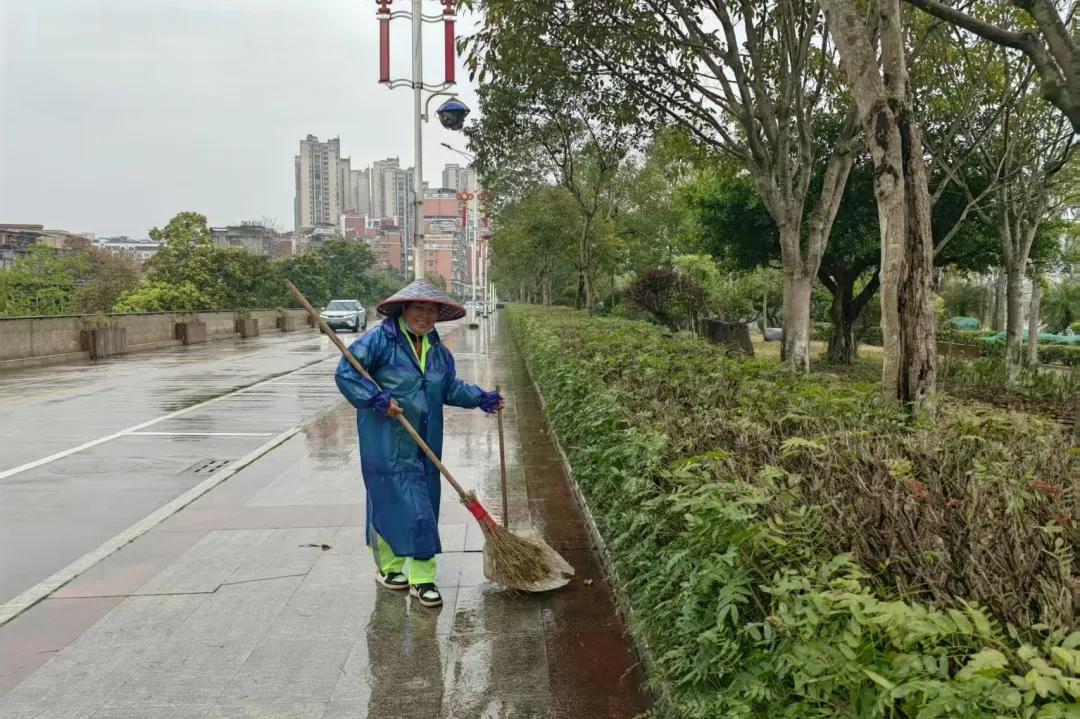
[918,330]
[1014,320]
[798,289]
[585,257]
[1033,323]
[579,300]
[900,188]
[843,347]
[1000,299]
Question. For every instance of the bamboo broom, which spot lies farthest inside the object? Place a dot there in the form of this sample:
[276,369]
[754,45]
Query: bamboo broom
[517,563]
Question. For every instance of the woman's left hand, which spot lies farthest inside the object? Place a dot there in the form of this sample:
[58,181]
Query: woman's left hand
[492,402]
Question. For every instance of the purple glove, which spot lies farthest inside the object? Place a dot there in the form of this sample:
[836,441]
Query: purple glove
[489,402]
[382,402]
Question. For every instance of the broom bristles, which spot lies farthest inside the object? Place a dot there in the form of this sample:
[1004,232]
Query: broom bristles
[516,562]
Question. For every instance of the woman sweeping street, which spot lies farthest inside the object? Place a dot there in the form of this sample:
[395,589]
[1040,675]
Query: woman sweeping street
[416,372]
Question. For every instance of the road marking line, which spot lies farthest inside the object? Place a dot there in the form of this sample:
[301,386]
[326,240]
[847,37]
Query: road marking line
[35,396]
[44,588]
[108,438]
[200,434]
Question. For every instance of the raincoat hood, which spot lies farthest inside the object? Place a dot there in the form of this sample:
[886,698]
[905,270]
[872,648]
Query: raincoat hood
[422,291]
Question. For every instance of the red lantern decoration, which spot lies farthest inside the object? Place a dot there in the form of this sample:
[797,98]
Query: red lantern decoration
[464,198]
[450,52]
[384,39]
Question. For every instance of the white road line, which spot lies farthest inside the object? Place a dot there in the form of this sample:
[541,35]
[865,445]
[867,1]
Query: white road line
[42,589]
[108,438]
[200,434]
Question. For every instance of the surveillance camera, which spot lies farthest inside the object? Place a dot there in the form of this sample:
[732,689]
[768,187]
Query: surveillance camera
[452,114]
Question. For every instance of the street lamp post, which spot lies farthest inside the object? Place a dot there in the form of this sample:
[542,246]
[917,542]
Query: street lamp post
[479,266]
[485,237]
[420,105]
[466,198]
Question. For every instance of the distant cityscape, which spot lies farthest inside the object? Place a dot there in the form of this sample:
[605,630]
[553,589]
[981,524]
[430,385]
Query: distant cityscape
[375,205]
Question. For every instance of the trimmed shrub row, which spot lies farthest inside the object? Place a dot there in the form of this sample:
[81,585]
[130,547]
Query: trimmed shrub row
[794,546]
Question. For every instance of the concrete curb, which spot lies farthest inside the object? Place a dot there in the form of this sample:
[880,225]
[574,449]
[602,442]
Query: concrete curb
[43,589]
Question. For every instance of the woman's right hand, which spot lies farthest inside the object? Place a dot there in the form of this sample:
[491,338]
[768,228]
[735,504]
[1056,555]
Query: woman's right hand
[394,410]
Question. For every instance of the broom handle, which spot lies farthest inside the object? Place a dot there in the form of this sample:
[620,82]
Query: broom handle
[502,463]
[363,373]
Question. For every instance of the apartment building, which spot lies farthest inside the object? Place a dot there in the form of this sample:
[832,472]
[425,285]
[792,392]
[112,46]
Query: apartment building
[319,178]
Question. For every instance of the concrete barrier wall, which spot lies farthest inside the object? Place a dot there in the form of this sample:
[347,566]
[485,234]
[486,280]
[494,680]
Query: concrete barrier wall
[41,340]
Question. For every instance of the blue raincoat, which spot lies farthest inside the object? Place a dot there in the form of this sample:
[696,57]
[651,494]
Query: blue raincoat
[403,486]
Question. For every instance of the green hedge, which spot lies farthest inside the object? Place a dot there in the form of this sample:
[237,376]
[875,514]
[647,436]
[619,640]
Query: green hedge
[1048,354]
[792,546]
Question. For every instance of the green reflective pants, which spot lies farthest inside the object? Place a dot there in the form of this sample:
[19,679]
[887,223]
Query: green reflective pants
[421,571]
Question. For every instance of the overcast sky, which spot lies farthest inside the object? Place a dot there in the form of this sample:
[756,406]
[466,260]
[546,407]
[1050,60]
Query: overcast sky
[117,114]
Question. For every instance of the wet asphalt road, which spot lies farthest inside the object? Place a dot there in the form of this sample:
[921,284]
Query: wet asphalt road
[145,428]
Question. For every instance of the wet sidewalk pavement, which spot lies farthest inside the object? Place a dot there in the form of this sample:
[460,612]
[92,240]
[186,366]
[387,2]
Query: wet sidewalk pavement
[259,599]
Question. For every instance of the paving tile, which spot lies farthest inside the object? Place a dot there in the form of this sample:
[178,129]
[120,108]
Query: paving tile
[457,705]
[338,572]
[387,669]
[124,571]
[182,673]
[349,540]
[300,486]
[312,613]
[20,713]
[401,706]
[173,712]
[581,605]
[596,669]
[558,509]
[472,570]
[452,536]
[285,552]
[396,613]
[448,570]
[40,633]
[270,711]
[488,609]
[565,535]
[205,566]
[285,669]
[474,538]
[485,665]
[251,518]
[239,614]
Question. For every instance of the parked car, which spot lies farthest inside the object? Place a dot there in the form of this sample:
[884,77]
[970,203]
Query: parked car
[348,314]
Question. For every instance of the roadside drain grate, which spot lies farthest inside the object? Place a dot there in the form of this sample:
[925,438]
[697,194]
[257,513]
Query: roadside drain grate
[206,466]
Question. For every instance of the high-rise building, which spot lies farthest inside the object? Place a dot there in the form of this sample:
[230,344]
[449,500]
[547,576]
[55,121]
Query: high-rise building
[458,178]
[361,192]
[405,206]
[319,196]
[345,184]
[383,183]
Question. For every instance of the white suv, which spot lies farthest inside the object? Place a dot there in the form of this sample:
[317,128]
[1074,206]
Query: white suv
[349,314]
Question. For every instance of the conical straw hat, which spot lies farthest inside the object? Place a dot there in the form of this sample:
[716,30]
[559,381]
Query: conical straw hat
[422,291]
